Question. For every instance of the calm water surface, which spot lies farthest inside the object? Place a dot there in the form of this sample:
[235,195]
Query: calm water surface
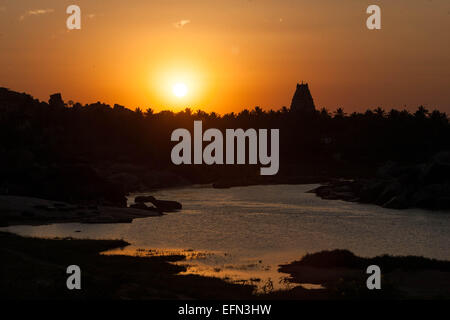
[246,232]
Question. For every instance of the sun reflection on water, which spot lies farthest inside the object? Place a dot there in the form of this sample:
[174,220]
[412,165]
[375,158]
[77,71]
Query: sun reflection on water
[263,277]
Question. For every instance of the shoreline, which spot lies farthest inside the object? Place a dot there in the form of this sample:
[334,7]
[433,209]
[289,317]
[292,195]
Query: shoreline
[34,268]
[25,210]
[17,210]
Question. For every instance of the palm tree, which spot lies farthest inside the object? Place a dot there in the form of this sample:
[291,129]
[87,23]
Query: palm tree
[438,116]
[339,113]
[139,112]
[257,111]
[149,112]
[393,114]
[379,112]
[324,113]
[421,112]
[188,111]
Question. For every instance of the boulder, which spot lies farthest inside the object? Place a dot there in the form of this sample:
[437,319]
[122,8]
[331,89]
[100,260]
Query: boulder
[371,190]
[397,202]
[163,205]
[436,172]
[143,199]
[397,186]
[143,206]
[391,189]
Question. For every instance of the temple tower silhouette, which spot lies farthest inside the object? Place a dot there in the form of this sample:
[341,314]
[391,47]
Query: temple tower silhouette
[302,101]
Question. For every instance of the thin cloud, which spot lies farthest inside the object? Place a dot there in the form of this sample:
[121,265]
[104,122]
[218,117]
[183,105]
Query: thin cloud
[36,12]
[180,24]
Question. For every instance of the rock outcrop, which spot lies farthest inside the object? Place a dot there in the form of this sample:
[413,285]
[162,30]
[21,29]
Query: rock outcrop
[425,186]
[162,205]
[34,211]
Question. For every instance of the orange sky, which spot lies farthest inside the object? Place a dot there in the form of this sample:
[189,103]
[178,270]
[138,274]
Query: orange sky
[231,54]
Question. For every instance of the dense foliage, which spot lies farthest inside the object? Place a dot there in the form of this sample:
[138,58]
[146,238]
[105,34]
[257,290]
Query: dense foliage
[43,141]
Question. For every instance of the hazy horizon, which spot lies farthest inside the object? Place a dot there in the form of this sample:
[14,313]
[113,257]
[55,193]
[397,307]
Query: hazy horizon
[231,54]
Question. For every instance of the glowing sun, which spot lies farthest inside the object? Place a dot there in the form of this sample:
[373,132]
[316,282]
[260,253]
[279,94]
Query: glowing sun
[180,90]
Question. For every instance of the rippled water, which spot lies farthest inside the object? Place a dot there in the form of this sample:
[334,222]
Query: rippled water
[246,232]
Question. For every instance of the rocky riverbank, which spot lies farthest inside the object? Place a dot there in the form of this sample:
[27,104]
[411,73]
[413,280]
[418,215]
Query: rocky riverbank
[159,205]
[343,275]
[33,211]
[34,268]
[425,185]
[226,183]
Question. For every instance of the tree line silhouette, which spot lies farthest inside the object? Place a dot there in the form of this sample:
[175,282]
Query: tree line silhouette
[76,152]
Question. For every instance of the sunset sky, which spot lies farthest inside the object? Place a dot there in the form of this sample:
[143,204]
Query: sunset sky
[231,54]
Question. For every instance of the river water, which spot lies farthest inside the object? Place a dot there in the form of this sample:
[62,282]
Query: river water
[244,233]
